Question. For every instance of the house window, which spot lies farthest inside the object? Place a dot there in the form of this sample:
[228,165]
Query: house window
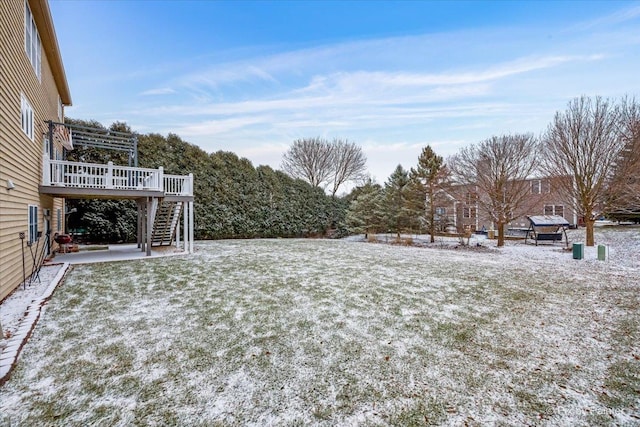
[539,186]
[535,187]
[441,211]
[26,116]
[32,45]
[472,198]
[545,186]
[554,210]
[469,212]
[33,223]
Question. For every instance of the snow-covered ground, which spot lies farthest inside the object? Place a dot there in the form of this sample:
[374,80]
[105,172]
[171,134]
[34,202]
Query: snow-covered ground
[14,307]
[280,332]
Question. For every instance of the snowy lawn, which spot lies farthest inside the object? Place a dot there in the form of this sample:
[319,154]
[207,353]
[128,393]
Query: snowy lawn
[298,332]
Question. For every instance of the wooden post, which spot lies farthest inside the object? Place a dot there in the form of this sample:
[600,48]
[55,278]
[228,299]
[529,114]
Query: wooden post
[178,227]
[191,227]
[143,225]
[109,177]
[149,224]
[139,223]
[185,218]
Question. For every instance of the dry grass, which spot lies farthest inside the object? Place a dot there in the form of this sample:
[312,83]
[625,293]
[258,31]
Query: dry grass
[299,332]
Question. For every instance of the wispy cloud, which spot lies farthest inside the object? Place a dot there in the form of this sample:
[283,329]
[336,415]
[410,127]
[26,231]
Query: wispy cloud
[358,100]
[225,74]
[615,18]
[158,91]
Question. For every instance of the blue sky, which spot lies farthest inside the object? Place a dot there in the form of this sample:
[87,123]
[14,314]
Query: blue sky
[251,77]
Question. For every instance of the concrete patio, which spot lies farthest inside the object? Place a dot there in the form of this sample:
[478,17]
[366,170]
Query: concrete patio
[120,252]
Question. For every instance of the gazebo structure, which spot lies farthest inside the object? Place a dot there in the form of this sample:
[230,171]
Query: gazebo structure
[547,228]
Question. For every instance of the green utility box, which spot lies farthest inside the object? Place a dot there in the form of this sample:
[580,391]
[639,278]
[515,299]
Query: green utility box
[603,253]
[578,251]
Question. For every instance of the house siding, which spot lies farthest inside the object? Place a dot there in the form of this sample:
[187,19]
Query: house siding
[20,157]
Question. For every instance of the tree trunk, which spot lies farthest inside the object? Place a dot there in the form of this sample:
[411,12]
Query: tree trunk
[500,234]
[432,217]
[588,222]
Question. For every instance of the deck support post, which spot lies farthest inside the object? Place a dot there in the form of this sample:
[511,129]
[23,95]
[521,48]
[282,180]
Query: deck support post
[139,223]
[149,226]
[143,225]
[191,227]
[185,220]
[178,231]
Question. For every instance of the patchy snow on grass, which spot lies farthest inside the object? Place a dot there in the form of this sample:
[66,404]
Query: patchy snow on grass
[14,307]
[281,332]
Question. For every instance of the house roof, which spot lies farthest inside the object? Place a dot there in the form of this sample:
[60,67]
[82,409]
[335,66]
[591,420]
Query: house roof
[547,220]
[44,22]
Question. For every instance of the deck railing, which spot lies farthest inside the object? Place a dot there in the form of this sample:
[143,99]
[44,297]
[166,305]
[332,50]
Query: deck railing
[62,173]
[178,185]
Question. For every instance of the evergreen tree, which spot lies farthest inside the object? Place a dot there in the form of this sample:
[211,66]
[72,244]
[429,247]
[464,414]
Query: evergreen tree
[365,214]
[429,177]
[396,206]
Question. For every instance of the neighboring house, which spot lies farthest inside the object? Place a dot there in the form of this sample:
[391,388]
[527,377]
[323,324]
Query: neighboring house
[34,178]
[459,208]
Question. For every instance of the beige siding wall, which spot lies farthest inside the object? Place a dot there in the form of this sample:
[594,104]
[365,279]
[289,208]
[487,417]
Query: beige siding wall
[20,157]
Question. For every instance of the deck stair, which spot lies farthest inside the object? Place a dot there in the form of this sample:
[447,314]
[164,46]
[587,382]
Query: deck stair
[165,223]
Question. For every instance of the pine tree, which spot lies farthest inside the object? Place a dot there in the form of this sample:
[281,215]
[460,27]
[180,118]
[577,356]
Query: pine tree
[365,213]
[397,210]
[430,176]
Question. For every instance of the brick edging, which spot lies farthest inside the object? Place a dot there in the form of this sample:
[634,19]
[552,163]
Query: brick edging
[9,355]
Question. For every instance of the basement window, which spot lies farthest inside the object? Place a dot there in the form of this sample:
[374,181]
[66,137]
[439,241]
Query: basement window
[33,223]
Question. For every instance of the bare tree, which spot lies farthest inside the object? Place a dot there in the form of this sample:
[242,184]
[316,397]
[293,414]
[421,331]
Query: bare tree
[323,163]
[349,163]
[310,159]
[624,188]
[582,144]
[498,168]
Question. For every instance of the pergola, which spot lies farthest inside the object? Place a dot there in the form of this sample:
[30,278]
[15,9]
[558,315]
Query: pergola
[70,135]
[547,228]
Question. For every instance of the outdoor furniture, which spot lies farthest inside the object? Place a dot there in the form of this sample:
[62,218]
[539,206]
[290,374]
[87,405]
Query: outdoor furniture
[547,228]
